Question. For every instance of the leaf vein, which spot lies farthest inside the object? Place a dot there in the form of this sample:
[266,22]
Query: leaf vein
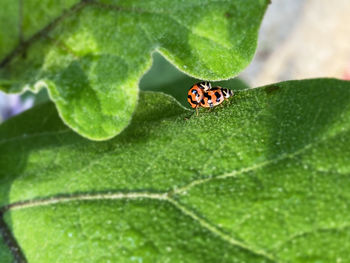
[218,232]
[22,46]
[235,173]
[309,232]
[83,197]
[161,196]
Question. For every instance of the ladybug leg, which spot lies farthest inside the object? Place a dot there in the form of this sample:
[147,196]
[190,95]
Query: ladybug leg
[226,101]
[211,106]
[197,111]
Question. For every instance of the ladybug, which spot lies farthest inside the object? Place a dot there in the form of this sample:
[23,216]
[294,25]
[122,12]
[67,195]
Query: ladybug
[196,93]
[203,95]
[215,96]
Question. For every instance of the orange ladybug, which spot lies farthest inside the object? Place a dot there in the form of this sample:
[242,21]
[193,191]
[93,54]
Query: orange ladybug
[196,93]
[215,96]
[203,95]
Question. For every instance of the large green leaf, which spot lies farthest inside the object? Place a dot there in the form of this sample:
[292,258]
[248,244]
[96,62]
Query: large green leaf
[265,178]
[91,54]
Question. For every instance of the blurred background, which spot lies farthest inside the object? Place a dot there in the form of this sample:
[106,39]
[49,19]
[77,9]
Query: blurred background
[298,39]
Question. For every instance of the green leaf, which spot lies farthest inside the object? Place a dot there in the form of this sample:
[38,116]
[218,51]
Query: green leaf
[265,178]
[91,54]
